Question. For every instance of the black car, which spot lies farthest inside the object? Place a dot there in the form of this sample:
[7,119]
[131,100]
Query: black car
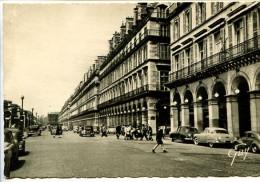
[184,133]
[251,139]
[87,131]
[34,130]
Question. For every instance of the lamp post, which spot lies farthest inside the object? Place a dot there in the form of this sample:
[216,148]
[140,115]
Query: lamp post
[36,117]
[32,114]
[22,97]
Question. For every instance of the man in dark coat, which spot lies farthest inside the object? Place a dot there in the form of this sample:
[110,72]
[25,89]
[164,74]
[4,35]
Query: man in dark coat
[159,141]
[118,131]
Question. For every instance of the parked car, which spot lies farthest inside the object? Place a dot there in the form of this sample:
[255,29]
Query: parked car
[8,148]
[18,137]
[54,130]
[65,128]
[184,133]
[87,131]
[251,139]
[111,129]
[34,130]
[213,136]
[96,129]
[13,145]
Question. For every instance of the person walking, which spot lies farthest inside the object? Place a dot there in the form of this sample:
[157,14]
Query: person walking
[118,131]
[104,131]
[159,141]
[144,132]
[150,133]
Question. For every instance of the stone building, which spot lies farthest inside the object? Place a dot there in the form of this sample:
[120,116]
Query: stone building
[215,69]
[127,85]
[132,78]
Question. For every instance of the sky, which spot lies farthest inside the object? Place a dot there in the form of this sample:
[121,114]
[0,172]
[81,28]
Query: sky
[47,48]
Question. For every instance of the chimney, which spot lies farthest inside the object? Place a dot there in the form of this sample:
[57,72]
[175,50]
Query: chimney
[122,31]
[129,24]
[135,16]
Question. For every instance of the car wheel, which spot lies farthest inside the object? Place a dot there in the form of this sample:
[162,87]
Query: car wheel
[196,141]
[211,145]
[254,148]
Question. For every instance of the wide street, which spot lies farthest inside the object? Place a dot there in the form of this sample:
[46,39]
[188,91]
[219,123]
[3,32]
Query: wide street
[85,157]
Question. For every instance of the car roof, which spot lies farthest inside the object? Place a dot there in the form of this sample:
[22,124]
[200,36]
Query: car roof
[215,128]
[255,132]
[13,129]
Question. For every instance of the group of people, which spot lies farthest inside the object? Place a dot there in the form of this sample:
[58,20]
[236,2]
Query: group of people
[129,132]
[145,131]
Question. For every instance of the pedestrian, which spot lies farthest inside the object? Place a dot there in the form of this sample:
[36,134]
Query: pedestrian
[150,133]
[159,141]
[118,131]
[104,131]
[144,132]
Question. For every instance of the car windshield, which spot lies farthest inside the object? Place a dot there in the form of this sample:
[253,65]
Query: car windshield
[220,131]
[193,130]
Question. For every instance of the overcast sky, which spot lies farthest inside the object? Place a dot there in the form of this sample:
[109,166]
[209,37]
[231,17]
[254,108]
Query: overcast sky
[48,48]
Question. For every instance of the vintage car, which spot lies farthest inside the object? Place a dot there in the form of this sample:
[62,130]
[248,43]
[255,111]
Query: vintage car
[184,133]
[75,129]
[251,139]
[54,130]
[213,136]
[96,129]
[13,145]
[8,148]
[111,129]
[65,128]
[87,131]
[34,130]
[18,137]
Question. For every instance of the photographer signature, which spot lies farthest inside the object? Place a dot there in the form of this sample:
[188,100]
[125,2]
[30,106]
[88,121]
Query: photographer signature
[241,150]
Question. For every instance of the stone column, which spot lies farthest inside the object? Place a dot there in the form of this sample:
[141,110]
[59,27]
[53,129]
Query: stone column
[133,118]
[213,113]
[108,121]
[255,110]
[144,117]
[185,118]
[198,116]
[130,118]
[232,115]
[138,119]
[174,117]
[152,119]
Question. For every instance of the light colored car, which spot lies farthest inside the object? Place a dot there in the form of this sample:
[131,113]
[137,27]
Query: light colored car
[213,136]
[111,129]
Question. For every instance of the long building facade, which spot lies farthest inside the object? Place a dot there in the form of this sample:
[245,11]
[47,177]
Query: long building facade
[176,64]
[215,69]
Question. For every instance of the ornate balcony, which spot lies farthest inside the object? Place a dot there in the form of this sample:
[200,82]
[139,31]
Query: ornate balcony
[233,58]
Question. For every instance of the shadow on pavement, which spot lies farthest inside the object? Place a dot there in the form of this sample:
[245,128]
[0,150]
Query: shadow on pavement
[25,153]
[19,165]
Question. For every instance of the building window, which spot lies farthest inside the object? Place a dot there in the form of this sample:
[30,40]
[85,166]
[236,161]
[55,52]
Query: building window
[176,29]
[188,59]
[176,62]
[164,53]
[216,7]
[164,30]
[200,12]
[187,23]
[238,29]
[164,75]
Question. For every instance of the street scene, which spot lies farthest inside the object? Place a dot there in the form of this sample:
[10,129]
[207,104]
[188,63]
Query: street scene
[80,157]
[93,90]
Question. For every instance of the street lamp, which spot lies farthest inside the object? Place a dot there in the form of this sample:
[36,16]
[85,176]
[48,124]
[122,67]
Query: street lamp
[32,114]
[22,97]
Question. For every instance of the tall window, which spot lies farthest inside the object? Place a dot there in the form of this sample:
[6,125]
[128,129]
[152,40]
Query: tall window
[164,53]
[187,23]
[188,59]
[164,30]
[145,52]
[177,62]
[216,7]
[238,29]
[200,12]
[176,29]
[164,75]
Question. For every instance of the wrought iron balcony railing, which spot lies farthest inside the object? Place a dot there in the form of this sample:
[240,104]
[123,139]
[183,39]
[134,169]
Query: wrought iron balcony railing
[216,59]
[139,91]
